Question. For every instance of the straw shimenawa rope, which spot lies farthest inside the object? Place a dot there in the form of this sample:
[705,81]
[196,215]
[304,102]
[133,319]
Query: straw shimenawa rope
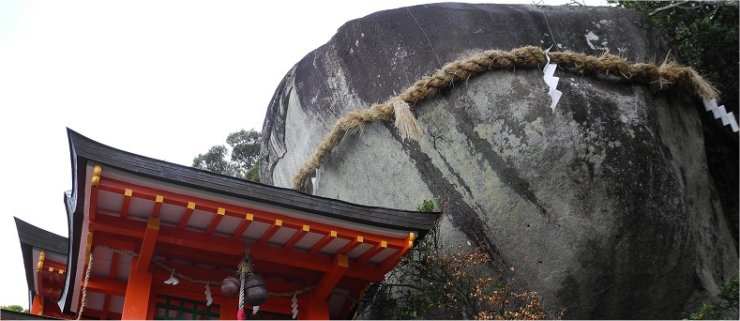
[399,107]
[83,300]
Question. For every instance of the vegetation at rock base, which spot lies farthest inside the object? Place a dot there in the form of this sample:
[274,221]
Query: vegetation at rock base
[240,159]
[725,306]
[438,281]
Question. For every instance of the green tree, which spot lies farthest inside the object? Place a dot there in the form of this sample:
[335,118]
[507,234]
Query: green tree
[14,307]
[240,159]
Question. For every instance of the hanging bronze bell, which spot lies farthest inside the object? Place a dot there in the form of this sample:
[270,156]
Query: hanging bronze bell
[229,286]
[255,290]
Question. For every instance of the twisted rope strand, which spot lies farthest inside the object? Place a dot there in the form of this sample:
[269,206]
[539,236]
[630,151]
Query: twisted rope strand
[83,300]
[182,276]
[659,77]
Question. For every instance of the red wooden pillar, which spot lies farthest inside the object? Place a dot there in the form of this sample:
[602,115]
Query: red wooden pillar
[138,291]
[312,309]
[37,307]
[227,309]
[315,306]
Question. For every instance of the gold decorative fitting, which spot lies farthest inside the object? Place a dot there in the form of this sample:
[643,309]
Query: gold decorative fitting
[128,192]
[40,263]
[159,199]
[221,211]
[333,233]
[306,228]
[360,238]
[278,222]
[96,175]
[250,217]
[384,244]
[191,205]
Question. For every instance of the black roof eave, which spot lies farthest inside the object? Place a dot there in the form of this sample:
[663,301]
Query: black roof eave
[74,225]
[31,236]
[87,149]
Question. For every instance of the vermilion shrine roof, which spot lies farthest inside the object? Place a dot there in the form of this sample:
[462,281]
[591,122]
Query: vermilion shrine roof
[185,219]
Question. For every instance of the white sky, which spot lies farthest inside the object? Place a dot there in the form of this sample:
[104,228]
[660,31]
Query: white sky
[164,79]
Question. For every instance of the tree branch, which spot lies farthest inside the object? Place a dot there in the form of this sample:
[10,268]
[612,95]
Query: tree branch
[672,5]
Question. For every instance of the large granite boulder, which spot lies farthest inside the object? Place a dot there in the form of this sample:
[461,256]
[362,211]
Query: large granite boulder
[604,206]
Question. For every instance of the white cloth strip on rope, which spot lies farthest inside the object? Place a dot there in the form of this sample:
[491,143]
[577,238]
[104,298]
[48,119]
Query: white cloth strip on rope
[294,305]
[551,81]
[172,280]
[719,112]
[209,296]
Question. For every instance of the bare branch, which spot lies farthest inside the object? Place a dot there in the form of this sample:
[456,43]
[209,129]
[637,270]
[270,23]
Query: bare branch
[672,5]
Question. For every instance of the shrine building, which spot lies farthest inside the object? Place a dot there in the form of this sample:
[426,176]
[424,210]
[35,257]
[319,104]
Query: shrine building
[150,239]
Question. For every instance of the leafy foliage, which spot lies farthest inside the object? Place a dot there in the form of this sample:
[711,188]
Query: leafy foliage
[704,35]
[14,308]
[427,206]
[438,281]
[726,307]
[240,159]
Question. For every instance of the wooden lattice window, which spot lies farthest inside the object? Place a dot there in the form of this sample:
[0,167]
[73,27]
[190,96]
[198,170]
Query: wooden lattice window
[174,308]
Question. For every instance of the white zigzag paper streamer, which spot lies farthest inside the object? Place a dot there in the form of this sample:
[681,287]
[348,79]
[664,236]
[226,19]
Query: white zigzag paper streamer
[209,297]
[552,81]
[720,113]
[172,280]
[255,309]
[294,306]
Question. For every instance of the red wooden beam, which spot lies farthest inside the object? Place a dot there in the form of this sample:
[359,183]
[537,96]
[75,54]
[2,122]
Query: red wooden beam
[326,240]
[218,245]
[158,200]
[148,243]
[231,210]
[116,241]
[112,275]
[372,252]
[331,278]
[351,245]
[106,286]
[270,232]
[393,260]
[239,231]
[216,219]
[174,252]
[52,266]
[126,202]
[297,237]
[186,216]
[308,261]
